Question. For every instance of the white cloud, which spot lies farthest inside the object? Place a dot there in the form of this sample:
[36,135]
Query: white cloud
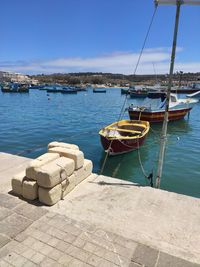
[117,62]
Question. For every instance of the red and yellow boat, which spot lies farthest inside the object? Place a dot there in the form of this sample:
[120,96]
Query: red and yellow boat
[123,136]
[178,108]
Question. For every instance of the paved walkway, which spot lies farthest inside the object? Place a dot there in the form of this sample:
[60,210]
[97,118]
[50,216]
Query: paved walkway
[31,236]
[103,222]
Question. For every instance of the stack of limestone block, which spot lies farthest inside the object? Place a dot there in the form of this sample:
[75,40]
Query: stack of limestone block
[53,175]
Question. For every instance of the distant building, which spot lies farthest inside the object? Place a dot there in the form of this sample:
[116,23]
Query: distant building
[16,77]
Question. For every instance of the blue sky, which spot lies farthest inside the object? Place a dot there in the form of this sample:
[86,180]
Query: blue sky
[47,36]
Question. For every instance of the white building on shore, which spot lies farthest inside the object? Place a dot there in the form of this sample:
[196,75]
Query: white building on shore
[16,77]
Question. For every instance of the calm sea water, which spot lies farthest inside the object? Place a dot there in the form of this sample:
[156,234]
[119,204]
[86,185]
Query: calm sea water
[28,122]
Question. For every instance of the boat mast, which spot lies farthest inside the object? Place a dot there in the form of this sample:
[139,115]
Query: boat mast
[178,4]
[164,128]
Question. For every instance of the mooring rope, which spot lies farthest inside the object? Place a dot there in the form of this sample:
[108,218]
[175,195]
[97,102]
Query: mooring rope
[122,111]
[125,100]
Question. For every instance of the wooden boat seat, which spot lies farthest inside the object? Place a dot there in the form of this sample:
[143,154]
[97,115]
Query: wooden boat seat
[135,124]
[124,130]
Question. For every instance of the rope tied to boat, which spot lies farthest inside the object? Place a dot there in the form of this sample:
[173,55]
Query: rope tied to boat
[135,70]
[148,177]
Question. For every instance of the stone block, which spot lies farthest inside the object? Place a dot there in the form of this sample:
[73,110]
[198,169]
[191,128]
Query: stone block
[30,189]
[76,155]
[38,162]
[50,196]
[68,185]
[54,172]
[83,172]
[145,255]
[64,145]
[17,182]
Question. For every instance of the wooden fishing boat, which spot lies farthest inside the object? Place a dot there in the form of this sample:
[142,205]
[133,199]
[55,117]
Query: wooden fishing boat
[99,90]
[54,90]
[178,108]
[69,91]
[123,136]
[125,91]
[185,89]
[138,93]
[16,88]
[156,94]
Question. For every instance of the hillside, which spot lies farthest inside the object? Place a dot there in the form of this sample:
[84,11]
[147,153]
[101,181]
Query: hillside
[112,79]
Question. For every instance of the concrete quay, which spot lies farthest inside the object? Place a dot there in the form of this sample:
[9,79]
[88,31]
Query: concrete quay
[102,222]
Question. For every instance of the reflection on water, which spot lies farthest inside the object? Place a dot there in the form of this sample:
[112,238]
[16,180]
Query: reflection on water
[116,166]
[28,122]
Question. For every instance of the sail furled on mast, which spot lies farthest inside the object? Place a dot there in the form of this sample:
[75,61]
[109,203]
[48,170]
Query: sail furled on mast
[174,2]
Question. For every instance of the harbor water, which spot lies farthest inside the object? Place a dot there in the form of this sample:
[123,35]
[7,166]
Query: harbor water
[28,122]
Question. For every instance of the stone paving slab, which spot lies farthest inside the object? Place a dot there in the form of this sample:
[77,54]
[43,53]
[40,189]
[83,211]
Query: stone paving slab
[30,211]
[44,238]
[166,260]
[145,255]
[4,212]
[55,239]
[3,240]
[33,236]
[13,225]
[8,201]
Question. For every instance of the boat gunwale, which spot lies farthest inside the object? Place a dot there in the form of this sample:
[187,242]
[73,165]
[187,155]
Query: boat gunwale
[145,124]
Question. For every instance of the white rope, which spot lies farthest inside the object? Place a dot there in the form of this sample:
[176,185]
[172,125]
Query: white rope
[125,100]
[63,188]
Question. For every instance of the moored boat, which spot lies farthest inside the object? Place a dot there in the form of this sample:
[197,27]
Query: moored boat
[69,91]
[178,108]
[15,88]
[156,94]
[99,90]
[125,91]
[138,93]
[184,90]
[54,90]
[123,136]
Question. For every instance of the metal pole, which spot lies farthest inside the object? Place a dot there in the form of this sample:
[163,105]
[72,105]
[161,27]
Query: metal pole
[165,122]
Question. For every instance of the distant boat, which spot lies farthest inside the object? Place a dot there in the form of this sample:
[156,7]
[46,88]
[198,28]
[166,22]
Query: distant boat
[39,87]
[54,90]
[138,93]
[15,88]
[125,91]
[154,112]
[80,88]
[123,136]
[185,89]
[69,91]
[99,90]
[156,94]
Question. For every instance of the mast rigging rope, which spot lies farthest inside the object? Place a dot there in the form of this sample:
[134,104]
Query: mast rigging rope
[135,70]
